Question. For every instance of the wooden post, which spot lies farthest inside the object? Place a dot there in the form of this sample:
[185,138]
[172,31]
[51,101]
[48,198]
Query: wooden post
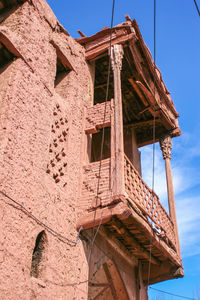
[116,56]
[166,145]
[112,147]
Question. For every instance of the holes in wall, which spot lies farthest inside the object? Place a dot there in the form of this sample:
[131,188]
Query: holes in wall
[57,166]
[96,145]
[39,255]
[6,57]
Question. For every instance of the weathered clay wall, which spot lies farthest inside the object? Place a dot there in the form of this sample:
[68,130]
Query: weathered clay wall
[28,153]
[41,158]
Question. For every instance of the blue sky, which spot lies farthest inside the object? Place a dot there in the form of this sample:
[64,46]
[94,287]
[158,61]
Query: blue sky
[177,56]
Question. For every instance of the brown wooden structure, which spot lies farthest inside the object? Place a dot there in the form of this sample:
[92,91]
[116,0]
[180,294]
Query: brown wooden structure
[131,214]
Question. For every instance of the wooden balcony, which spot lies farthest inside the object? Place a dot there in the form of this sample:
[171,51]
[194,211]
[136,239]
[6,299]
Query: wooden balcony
[114,198]
[133,218]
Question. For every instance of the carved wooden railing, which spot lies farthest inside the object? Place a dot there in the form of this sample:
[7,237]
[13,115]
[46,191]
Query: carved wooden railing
[148,202]
[137,190]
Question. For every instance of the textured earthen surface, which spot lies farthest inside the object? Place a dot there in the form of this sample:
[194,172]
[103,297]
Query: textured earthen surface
[42,146]
[29,103]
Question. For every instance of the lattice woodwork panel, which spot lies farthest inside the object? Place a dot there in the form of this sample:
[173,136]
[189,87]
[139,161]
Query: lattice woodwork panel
[148,201]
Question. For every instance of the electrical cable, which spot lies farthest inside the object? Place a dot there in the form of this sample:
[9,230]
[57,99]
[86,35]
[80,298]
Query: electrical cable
[63,238]
[154,136]
[172,294]
[102,143]
[86,236]
[49,229]
[197,8]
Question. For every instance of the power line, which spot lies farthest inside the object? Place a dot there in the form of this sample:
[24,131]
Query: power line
[172,294]
[154,131]
[21,207]
[87,237]
[197,7]
[94,234]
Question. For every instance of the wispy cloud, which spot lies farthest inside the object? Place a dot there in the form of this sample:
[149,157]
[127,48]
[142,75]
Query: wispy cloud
[186,178]
[188,214]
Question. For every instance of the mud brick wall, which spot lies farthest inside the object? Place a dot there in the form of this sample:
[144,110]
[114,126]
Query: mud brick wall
[95,117]
[40,146]
[92,182]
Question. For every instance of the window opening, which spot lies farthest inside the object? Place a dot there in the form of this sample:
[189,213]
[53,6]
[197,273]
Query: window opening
[61,71]
[38,257]
[101,77]
[6,57]
[131,148]
[7,7]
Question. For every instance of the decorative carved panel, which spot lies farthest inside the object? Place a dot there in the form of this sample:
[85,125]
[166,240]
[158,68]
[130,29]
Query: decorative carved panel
[148,201]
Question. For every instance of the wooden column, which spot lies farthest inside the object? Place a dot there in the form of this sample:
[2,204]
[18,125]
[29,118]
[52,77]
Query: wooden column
[116,56]
[166,145]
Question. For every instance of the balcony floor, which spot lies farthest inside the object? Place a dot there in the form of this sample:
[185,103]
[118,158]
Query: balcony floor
[133,235]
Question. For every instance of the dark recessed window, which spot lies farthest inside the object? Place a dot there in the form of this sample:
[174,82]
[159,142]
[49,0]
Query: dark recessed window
[6,57]
[38,257]
[61,71]
[7,7]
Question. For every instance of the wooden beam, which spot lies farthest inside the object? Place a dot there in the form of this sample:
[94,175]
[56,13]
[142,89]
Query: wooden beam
[171,274]
[137,90]
[119,247]
[141,123]
[110,281]
[146,143]
[148,94]
[101,293]
[100,86]
[93,284]
[157,242]
[104,46]
[165,120]
[145,109]
[81,34]
[123,231]
[150,63]
[137,63]
[145,100]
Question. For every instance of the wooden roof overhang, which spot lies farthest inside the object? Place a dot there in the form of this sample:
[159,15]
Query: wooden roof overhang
[138,73]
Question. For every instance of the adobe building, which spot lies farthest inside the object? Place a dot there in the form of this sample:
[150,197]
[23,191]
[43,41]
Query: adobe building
[77,222]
